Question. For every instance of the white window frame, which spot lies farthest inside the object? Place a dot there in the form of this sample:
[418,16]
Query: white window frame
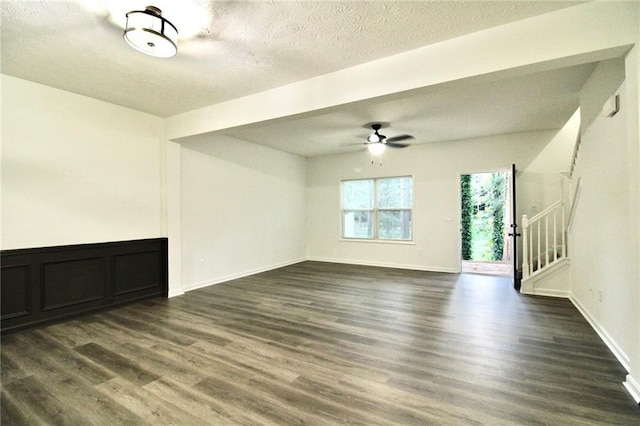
[375,210]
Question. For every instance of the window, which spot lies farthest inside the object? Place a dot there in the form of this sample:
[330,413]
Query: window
[377,209]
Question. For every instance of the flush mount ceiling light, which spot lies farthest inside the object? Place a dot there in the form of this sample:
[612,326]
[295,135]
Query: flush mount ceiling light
[148,32]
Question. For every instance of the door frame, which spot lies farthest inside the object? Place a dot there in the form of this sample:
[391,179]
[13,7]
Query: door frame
[510,206]
[516,277]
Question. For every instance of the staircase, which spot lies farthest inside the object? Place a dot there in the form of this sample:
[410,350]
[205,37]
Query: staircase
[545,263]
[543,239]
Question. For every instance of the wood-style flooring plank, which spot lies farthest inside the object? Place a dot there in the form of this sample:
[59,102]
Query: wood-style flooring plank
[198,404]
[121,366]
[31,400]
[321,343]
[147,405]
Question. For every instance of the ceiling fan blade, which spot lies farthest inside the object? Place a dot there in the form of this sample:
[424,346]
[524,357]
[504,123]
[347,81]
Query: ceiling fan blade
[399,138]
[396,145]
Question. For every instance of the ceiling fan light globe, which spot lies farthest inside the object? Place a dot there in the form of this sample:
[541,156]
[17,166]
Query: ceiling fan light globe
[374,138]
[376,148]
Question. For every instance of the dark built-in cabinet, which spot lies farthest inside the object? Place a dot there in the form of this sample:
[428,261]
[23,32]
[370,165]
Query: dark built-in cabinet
[46,284]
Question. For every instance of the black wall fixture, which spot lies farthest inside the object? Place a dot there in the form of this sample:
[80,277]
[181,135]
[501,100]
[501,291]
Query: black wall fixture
[46,284]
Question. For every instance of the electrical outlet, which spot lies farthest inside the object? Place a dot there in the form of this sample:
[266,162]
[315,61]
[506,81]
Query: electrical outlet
[600,295]
[202,262]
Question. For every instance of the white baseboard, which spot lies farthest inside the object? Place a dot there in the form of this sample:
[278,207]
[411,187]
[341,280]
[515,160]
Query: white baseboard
[243,274]
[633,387]
[202,284]
[175,293]
[547,292]
[386,265]
[615,349]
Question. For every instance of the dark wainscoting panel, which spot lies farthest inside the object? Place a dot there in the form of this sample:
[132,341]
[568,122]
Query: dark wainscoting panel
[47,284]
[136,271]
[72,282]
[15,291]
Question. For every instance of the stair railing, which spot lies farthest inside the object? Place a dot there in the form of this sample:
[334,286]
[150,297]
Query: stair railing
[543,239]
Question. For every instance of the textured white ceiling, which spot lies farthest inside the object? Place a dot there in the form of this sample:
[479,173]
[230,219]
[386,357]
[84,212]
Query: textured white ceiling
[246,47]
[462,110]
[238,48]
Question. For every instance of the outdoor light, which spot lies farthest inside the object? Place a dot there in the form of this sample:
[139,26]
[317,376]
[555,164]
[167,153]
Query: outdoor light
[148,32]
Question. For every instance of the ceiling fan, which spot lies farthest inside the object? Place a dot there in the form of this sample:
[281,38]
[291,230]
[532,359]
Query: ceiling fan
[377,138]
[376,143]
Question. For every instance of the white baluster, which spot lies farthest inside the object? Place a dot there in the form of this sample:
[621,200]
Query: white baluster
[546,240]
[555,235]
[564,229]
[539,260]
[531,248]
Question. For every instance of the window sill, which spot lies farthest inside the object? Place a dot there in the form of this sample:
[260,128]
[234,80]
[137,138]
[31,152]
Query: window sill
[378,241]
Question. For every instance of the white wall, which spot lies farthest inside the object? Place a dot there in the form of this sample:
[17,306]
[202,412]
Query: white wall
[603,252]
[243,210]
[76,170]
[632,73]
[606,77]
[541,182]
[436,169]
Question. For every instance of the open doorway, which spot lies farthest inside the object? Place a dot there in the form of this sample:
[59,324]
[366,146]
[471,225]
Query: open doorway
[485,218]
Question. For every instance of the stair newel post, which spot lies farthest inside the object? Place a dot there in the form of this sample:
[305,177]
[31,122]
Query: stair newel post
[525,247]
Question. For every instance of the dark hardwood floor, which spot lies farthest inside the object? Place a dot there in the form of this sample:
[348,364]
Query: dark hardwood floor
[321,343]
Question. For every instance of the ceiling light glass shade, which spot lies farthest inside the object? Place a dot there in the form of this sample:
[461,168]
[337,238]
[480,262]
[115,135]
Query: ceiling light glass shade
[376,148]
[148,32]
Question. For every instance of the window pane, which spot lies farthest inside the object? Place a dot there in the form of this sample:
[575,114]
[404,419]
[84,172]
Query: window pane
[394,224]
[357,194]
[357,224]
[395,193]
